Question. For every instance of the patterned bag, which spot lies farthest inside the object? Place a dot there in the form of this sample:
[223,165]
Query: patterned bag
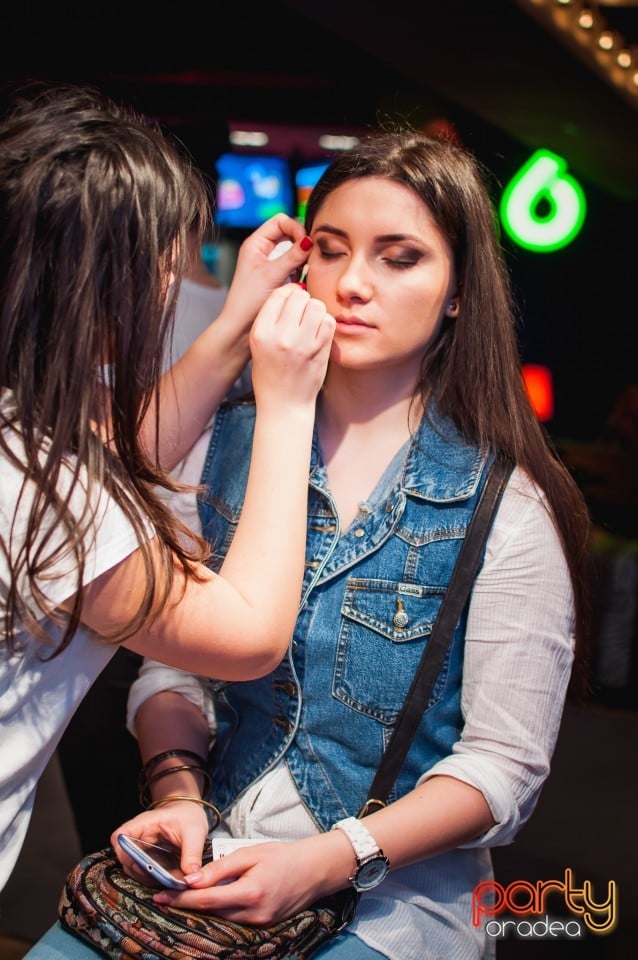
[111,911]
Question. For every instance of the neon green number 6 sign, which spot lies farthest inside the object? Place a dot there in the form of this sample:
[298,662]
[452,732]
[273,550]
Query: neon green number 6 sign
[543,207]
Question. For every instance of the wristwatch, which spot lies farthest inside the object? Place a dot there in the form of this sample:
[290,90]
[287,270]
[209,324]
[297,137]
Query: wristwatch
[372,864]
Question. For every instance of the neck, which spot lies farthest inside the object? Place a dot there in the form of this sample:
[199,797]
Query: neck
[362,410]
[360,399]
[362,420]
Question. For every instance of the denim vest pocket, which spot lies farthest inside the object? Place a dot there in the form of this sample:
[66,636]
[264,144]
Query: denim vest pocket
[384,627]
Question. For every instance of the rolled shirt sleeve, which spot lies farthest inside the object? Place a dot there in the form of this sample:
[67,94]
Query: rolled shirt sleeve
[155,678]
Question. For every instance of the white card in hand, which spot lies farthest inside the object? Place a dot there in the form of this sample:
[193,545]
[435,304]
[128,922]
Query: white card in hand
[222,846]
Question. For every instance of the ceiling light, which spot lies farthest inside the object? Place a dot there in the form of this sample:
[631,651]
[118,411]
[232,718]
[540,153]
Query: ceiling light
[248,138]
[606,40]
[583,27]
[586,19]
[329,141]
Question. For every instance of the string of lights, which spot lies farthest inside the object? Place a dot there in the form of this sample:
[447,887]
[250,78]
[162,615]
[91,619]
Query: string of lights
[583,27]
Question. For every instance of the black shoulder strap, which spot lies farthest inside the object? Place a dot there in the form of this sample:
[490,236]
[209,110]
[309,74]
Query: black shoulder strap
[458,591]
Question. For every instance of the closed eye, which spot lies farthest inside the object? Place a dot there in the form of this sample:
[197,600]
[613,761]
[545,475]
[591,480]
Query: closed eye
[400,264]
[331,254]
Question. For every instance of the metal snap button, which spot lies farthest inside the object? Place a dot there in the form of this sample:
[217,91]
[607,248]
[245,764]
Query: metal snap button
[400,619]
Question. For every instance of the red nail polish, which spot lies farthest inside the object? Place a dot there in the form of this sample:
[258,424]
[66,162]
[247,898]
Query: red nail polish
[306,244]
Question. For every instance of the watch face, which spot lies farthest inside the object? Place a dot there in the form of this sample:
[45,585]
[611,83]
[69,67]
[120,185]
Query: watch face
[371,872]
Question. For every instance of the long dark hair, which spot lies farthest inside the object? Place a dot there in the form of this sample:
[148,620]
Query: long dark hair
[95,205]
[474,367]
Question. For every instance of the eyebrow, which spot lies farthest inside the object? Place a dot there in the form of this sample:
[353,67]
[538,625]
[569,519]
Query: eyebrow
[382,238]
[326,228]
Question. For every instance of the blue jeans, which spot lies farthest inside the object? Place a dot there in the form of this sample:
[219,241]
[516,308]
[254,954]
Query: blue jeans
[57,944]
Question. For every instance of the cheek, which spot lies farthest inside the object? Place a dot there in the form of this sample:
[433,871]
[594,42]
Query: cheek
[427,313]
[435,295]
[425,302]
[319,281]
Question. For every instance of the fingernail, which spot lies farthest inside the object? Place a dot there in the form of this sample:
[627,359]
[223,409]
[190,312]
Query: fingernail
[306,244]
[193,877]
[161,898]
[301,284]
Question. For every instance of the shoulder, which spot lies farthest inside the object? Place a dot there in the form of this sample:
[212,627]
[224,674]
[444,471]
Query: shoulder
[524,505]
[524,535]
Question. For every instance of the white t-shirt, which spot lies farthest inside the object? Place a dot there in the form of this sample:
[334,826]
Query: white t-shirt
[197,306]
[38,697]
[518,656]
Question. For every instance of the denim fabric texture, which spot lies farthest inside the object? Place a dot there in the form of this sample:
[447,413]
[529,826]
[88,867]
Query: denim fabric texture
[371,595]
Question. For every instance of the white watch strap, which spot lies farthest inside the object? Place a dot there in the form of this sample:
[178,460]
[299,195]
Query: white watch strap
[363,843]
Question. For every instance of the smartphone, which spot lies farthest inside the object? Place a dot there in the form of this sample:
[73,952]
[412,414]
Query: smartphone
[161,863]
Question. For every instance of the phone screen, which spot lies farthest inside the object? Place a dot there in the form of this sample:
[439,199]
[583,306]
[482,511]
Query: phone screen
[161,863]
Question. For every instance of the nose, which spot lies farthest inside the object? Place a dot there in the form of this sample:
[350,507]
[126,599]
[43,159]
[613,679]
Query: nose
[355,281]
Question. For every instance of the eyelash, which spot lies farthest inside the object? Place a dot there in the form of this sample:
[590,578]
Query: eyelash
[393,264]
[399,264]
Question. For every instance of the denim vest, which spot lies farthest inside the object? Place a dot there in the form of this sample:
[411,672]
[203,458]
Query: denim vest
[330,705]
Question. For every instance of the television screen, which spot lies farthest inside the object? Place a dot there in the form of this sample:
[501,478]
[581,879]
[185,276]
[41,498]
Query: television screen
[305,179]
[250,189]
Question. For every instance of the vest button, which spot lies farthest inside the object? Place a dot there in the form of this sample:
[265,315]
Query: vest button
[359,532]
[400,619]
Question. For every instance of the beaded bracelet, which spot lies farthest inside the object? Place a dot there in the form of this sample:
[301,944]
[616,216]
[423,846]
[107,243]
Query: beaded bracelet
[204,803]
[145,789]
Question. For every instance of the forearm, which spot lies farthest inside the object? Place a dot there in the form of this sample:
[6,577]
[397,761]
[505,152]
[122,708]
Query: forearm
[169,722]
[437,816]
[274,512]
[194,387]
[265,562]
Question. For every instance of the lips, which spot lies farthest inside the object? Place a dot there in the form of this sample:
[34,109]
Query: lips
[351,322]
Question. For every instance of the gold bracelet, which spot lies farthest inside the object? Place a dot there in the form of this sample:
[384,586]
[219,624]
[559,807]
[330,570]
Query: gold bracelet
[204,803]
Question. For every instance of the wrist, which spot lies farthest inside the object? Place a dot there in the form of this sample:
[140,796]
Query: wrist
[329,860]
[371,864]
[190,784]
[213,815]
[294,412]
[173,771]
